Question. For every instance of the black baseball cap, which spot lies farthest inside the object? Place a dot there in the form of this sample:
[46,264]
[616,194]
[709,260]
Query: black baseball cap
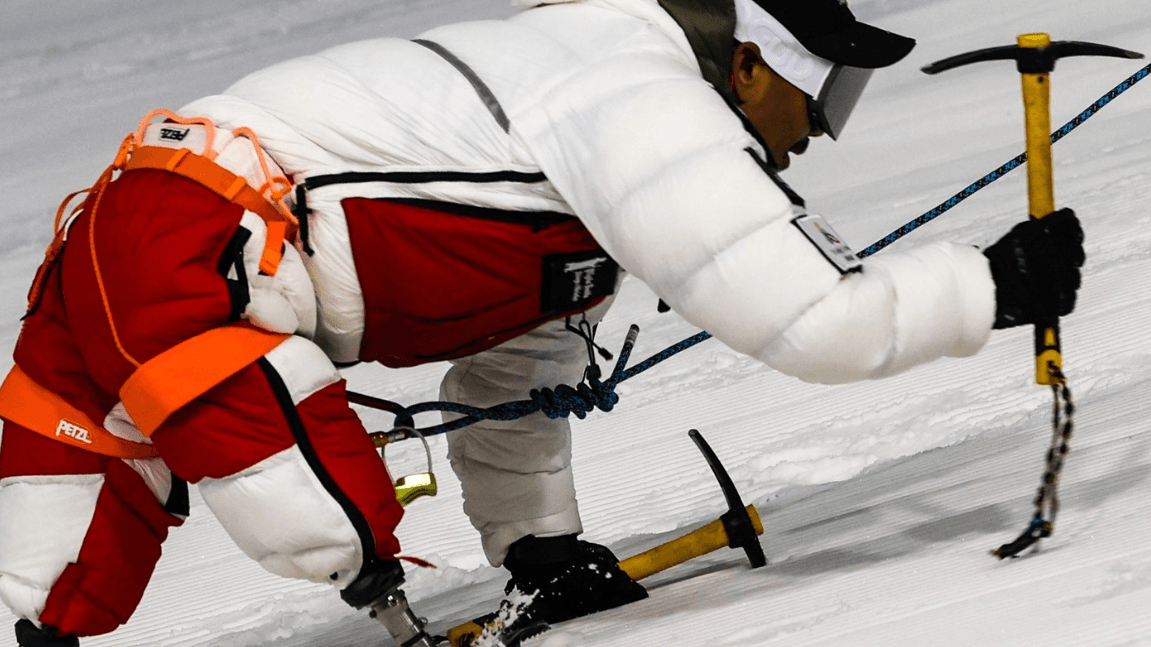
[819,47]
[828,29]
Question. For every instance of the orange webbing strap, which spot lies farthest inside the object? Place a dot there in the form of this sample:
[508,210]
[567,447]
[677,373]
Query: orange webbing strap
[186,371]
[33,407]
[224,183]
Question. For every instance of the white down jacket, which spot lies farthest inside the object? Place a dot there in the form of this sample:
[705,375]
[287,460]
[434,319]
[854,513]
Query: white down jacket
[606,100]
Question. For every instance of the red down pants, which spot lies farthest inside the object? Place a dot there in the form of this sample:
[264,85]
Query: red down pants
[278,455]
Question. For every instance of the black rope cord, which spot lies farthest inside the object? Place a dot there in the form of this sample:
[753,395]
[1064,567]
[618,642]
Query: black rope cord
[558,402]
[1047,499]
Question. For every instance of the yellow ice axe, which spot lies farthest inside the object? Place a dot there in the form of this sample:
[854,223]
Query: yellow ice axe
[739,527]
[1035,56]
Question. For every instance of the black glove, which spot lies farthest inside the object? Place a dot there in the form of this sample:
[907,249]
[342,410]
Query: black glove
[1036,269]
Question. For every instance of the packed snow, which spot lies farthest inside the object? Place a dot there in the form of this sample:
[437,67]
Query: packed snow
[880,500]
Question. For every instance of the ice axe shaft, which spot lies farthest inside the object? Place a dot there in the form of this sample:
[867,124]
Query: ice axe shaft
[696,543]
[1035,56]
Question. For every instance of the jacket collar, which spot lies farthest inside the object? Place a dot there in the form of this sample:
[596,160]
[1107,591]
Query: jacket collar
[710,28]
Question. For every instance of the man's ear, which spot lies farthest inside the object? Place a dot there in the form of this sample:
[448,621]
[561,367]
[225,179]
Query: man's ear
[744,60]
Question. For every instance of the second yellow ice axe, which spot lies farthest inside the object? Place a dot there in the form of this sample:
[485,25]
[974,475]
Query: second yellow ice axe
[738,528]
[1035,56]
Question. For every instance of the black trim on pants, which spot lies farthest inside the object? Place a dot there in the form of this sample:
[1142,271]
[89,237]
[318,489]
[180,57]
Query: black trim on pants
[284,398]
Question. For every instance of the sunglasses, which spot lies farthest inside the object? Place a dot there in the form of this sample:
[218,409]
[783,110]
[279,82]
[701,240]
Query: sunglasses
[837,98]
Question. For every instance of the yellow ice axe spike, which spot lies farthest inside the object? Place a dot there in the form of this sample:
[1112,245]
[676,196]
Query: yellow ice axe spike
[1035,56]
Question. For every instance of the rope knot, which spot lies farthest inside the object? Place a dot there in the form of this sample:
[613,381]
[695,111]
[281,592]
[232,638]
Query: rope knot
[565,400]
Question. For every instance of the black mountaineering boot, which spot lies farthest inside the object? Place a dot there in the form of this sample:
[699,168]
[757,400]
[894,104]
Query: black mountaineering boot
[29,635]
[570,577]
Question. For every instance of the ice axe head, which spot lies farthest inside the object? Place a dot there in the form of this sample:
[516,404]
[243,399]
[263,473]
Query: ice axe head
[1034,54]
[741,530]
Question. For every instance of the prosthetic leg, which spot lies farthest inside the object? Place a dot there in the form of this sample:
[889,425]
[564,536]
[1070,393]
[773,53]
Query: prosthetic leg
[378,587]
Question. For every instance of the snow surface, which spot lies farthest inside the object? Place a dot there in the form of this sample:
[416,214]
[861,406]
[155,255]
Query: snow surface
[880,500]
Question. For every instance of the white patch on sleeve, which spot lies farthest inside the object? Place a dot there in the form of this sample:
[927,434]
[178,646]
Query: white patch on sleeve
[830,244]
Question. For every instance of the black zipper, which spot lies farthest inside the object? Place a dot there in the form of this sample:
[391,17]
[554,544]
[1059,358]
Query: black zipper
[301,210]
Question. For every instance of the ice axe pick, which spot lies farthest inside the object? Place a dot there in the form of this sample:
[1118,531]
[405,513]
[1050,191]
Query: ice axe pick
[739,527]
[1035,56]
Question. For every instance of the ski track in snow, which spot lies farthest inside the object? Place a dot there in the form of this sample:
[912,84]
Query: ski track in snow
[880,500]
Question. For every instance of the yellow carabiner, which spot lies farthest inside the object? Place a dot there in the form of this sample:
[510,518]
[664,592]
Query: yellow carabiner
[413,486]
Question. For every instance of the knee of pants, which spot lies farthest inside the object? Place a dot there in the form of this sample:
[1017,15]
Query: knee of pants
[279,515]
[77,551]
[295,481]
[317,509]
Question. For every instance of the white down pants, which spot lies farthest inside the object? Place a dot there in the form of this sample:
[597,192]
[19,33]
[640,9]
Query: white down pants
[517,475]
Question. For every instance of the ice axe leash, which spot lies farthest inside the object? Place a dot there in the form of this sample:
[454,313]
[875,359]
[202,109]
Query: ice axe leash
[738,528]
[1035,56]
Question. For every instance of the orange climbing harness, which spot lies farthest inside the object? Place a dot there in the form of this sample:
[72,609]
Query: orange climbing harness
[172,379]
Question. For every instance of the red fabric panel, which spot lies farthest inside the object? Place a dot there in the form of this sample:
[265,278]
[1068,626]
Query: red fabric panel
[49,355]
[100,590]
[339,440]
[230,428]
[27,453]
[439,286]
[158,238]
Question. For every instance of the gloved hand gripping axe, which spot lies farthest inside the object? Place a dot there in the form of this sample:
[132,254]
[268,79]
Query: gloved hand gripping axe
[1035,56]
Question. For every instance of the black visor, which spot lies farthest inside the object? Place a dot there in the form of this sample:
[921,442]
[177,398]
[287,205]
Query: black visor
[837,98]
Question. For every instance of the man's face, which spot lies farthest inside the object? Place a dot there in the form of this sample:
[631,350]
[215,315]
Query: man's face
[778,110]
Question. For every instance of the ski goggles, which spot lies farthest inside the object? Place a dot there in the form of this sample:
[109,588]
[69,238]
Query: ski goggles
[837,97]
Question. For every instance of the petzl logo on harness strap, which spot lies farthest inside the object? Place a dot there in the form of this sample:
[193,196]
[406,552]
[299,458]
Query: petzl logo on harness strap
[74,431]
[26,403]
[174,134]
[574,280]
